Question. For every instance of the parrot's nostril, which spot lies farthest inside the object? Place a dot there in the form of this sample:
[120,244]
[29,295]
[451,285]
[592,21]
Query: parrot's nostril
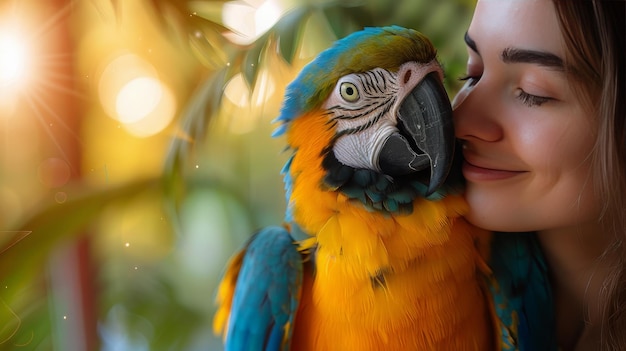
[407,76]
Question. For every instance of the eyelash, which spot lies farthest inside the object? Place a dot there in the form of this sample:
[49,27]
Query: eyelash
[471,79]
[529,100]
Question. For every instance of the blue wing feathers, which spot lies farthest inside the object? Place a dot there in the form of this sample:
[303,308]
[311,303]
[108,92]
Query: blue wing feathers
[521,293]
[267,292]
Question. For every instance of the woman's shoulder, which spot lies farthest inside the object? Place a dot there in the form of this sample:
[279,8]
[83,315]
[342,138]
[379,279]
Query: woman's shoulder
[520,289]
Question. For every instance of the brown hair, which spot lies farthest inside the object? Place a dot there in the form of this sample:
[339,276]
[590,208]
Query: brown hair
[595,37]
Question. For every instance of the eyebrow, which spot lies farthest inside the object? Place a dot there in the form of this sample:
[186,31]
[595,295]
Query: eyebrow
[541,58]
[515,55]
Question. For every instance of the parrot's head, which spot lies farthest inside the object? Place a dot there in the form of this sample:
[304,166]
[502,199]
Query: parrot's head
[380,94]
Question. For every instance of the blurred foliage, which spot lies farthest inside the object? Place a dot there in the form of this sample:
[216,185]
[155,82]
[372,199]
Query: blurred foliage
[160,242]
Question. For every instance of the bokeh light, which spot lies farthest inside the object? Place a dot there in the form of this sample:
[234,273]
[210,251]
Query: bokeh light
[237,91]
[145,106]
[119,70]
[250,19]
[131,93]
[137,99]
[54,172]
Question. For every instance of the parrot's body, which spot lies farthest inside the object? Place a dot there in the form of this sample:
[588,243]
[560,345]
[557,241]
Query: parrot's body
[374,254]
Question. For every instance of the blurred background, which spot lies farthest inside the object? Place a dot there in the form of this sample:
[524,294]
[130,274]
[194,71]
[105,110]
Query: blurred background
[136,156]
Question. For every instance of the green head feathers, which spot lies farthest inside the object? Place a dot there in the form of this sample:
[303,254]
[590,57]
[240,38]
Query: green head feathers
[374,47]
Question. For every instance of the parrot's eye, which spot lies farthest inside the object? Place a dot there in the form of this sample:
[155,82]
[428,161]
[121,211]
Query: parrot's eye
[349,92]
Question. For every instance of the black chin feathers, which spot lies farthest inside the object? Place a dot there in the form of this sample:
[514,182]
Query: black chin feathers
[376,191]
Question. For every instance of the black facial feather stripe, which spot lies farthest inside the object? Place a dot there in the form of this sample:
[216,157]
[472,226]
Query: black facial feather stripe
[342,113]
[378,94]
[369,122]
[370,81]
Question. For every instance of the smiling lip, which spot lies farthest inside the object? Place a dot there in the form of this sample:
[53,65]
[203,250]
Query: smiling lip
[474,173]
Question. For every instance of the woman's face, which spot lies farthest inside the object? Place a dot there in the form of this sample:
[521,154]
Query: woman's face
[527,140]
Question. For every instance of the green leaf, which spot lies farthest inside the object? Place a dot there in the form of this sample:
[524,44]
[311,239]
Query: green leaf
[203,105]
[252,62]
[56,222]
[340,23]
[194,120]
[288,31]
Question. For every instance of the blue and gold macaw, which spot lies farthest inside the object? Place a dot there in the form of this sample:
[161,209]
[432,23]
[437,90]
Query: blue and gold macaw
[374,253]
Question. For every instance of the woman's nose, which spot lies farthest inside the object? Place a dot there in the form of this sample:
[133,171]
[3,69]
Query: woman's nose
[475,114]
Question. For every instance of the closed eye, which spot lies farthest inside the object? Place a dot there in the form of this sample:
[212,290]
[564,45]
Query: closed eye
[470,80]
[531,100]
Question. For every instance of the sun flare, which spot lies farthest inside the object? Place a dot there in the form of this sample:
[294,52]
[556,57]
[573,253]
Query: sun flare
[13,59]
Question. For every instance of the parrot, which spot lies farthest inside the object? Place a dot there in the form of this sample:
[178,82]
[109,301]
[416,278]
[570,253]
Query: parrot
[373,252]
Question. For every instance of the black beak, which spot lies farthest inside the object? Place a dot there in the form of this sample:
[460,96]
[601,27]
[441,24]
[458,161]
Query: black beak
[426,135]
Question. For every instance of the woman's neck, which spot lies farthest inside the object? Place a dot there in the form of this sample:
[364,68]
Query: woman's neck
[578,268]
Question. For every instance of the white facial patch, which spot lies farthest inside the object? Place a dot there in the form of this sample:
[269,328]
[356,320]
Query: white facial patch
[361,106]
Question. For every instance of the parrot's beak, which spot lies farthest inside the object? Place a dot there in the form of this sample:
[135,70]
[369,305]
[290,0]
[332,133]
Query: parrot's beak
[426,135]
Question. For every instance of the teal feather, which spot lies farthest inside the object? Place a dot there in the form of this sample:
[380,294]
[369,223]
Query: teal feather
[391,205]
[267,293]
[373,195]
[288,188]
[363,177]
[521,293]
[382,183]
[404,196]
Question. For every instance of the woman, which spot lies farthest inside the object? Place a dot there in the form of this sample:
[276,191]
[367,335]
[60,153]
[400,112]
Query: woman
[542,122]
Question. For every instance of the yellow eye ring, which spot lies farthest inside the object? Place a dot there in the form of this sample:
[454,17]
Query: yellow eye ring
[349,92]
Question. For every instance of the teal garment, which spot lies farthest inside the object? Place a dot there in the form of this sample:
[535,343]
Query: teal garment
[521,293]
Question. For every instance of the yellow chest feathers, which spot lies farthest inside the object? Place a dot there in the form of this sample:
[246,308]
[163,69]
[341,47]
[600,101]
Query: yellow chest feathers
[364,243]
[381,279]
